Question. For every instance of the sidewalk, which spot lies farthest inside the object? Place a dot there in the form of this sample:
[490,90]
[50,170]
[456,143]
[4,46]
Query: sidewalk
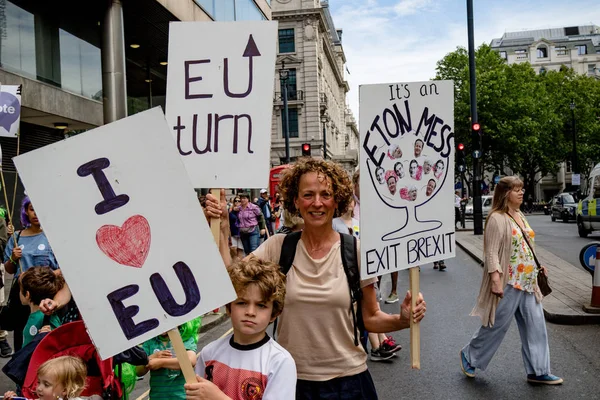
[571,286]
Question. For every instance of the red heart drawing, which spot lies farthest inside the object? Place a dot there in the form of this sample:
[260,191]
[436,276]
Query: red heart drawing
[128,245]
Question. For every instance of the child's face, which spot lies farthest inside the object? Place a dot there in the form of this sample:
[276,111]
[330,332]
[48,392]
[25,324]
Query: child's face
[250,316]
[48,388]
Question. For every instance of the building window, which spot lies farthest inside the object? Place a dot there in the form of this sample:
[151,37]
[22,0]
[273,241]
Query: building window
[503,55]
[293,113]
[542,52]
[80,66]
[581,49]
[591,69]
[247,10]
[286,41]
[292,91]
[568,166]
[521,54]
[232,10]
[561,50]
[17,51]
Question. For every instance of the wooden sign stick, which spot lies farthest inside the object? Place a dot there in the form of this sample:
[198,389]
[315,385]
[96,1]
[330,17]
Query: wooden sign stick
[415,329]
[182,357]
[215,223]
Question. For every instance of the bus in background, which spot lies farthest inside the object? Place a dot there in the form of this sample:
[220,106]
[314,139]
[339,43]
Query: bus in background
[275,176]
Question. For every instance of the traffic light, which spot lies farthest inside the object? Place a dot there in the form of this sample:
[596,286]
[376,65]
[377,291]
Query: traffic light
[460,158]
[477,128]
[306,150]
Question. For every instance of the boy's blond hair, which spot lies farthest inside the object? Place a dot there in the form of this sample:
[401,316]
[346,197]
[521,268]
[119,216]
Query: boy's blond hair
[70,372]
[266,275]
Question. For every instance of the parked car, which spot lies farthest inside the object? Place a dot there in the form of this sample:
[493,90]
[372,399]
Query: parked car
[588,212]
[563,207]
[486,206]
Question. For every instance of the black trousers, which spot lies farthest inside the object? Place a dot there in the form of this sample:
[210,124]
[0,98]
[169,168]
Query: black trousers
[355,387]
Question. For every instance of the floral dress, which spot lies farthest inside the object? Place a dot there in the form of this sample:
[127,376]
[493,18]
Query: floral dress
[522,270]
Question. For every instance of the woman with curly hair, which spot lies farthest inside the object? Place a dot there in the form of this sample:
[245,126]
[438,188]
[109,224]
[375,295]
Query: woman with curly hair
[316,325]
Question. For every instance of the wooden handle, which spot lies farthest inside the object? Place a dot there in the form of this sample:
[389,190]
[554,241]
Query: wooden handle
[182,357]
[415,328]
[215,223]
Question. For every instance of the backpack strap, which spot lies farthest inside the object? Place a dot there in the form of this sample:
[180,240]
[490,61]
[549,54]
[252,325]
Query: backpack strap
[350,262]
[288,251]
[286,258]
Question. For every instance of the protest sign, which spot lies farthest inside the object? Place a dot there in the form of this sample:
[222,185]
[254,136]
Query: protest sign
[127,230]
[407,175]
[220,100]
[10,110]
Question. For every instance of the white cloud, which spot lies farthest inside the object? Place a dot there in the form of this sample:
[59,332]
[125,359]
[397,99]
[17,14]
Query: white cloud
[402,42]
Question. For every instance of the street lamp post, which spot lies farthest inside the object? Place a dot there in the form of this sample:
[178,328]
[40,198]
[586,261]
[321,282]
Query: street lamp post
[283,76]
[324,120]
[574,160]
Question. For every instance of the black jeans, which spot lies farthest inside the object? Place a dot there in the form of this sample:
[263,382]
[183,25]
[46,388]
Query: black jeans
[355,387]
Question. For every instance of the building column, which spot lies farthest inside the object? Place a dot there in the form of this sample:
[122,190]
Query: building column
[114,89]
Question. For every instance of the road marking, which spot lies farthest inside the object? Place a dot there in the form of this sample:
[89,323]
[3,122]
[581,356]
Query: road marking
[142,397]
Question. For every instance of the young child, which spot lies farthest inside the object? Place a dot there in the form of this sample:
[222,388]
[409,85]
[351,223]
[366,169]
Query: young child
[59,378]
[166,378]
[248,364]
[37,284]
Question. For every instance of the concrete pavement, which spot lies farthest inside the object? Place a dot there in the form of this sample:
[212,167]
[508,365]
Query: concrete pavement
[571,286]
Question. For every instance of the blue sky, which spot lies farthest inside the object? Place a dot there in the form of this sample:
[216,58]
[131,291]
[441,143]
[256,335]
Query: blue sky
[401,40]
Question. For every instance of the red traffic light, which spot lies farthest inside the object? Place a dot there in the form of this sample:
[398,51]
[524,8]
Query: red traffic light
[476,126]
[461,146]
[305,147]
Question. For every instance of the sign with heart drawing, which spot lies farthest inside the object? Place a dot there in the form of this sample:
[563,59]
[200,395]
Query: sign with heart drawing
[128,232]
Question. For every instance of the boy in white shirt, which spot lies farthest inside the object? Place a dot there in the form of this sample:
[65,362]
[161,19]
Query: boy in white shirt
[248,364]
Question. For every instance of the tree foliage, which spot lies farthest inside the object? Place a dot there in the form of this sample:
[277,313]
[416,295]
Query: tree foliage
[525,117]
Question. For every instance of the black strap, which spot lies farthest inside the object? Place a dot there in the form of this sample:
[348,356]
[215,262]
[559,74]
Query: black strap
[288,251]
[526,240]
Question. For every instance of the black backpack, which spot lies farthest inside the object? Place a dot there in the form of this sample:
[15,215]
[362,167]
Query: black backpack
[350,262]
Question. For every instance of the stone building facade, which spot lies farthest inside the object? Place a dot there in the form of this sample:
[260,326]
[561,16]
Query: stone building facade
[310,47]
[576,47]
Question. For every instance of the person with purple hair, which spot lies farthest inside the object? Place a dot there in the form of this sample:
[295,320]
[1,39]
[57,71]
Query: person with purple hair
[32,250]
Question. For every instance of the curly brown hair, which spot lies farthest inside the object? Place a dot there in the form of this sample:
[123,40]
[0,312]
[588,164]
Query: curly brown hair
[266,275]
[341,185]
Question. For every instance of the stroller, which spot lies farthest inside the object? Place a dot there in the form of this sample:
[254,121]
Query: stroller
[73,339]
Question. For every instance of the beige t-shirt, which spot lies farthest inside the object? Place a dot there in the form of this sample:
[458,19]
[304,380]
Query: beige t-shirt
[316,323]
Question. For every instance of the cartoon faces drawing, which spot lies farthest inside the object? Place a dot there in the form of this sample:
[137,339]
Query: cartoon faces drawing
[438,169]
[399,170]
[395,152]
[418,148]
[426,166]
[431,184]
[415,170]
[391,179]
[379,173]
[409,193]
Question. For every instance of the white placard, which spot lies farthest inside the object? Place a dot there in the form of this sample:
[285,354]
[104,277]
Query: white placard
[127,230]
[575,179]
[407,175]
[10,110]
[220,100]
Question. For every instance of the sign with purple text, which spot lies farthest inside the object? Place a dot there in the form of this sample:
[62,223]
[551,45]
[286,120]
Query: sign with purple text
[407,175]
[220,100]
[10,110]
[139,257]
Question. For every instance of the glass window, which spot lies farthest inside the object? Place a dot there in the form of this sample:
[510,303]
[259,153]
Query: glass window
[542,52]
[592,69]
[293,113]
[286,41]
[521,53]
[17,49]
[247,10]
[561,50]
[80,66]
[597,187]
[581,49]
[207,5]
[224,10]
[503,55]
[291,85]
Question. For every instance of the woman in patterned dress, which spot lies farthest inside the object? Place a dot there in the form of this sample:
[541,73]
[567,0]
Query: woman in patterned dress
[509,288]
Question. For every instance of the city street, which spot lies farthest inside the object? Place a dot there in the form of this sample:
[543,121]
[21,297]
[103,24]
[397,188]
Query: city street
[450,296]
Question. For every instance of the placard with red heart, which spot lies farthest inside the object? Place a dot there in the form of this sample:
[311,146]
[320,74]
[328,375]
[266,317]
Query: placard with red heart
[127,245]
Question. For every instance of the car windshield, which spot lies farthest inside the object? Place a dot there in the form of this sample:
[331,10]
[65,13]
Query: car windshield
[567,198]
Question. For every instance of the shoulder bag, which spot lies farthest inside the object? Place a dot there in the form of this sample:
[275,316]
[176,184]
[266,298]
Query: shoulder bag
[542,279]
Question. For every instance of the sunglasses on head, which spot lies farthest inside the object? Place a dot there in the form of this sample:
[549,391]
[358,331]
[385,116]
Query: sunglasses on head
[236,200]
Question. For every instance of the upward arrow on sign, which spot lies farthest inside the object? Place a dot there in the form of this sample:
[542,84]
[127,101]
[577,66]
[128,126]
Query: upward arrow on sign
[251,51]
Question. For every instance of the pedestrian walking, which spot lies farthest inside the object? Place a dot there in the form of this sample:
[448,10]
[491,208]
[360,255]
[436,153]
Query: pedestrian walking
[249,219]
[509,288]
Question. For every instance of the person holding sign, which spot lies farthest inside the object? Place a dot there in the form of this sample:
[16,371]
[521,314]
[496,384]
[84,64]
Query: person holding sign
[33,249]
[318,294]
[248,364]
[509,288]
